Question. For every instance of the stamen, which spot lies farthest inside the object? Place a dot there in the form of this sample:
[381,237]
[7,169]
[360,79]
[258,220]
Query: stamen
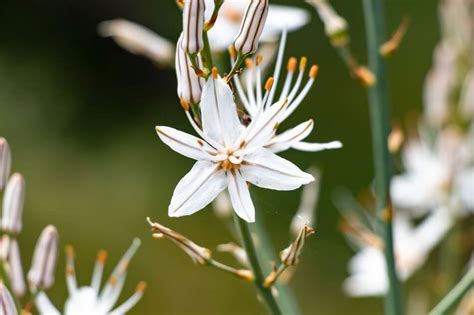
[276,73]
[98,270]
[209,140]
[303,63]
[70,272]
[299,79]
[259,80]
[258,59]
[292,62]
[313,72]
[249,63]
[131,301]
[291,108]
[269,83]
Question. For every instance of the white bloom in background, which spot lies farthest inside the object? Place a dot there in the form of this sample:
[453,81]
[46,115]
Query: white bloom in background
[5,162]
[467,96]
[229,155]
[13,200]
[222,206]
[305,215]
[256,102]
[189,83]
[7,305]
[434,176]
[193,25]
[246,41]
[232,13]
[368,276]
[138,40]
[334,24]
[91,299]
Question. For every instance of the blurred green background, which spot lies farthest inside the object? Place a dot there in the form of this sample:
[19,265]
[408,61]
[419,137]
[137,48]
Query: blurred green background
[79,113]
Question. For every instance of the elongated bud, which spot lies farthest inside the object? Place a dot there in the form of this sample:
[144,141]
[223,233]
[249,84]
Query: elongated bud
[251,28]
[13,204]
[198,254]
[41,274]
[16,269]
[7,305]
[5,162]
[189,83]
[334,24]
[291,255]
[193,24]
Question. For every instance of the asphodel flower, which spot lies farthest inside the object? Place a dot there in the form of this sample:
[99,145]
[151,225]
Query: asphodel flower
[41,274]
[7,304]
[246,41]
[13,204]
[290,256]
[198,254]
[91,299]
[257,100]
[193,26]
[189,83]
[138,40]
[229,154]
[5,162]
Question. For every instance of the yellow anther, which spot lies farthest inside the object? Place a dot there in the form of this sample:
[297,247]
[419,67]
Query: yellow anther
[313,72]
[303,63]
[269,83]
[292,63]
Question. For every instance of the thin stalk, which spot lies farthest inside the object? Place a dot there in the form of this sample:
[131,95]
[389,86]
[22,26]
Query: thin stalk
[455,295]
[380,123]
[255,265]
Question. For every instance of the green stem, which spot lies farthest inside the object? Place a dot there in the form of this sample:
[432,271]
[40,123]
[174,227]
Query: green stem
[206,55]
[455,295]
[255,265]
[380,121]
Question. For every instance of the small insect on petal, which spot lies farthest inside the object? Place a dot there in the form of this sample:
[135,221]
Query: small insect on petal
[251,28]
[41,274]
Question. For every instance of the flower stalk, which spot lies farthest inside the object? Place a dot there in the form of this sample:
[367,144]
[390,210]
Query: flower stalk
[380,121]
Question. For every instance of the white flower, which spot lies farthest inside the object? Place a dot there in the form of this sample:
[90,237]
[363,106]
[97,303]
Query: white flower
[368,274]
[229,155]
[91,299]
[434,176]
[138,40]
[232,13]
[255,101]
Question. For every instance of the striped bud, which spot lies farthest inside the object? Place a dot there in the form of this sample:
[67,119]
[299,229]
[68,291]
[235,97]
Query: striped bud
[41,274]
[251,28]
[193,24]
[189,84]
[5,162]
[7,305]
[13,204]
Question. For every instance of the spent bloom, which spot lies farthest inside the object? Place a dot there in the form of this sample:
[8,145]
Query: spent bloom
[413,244]
[91,299]
[290,256]
[229,155]
[41,274]
[138,40]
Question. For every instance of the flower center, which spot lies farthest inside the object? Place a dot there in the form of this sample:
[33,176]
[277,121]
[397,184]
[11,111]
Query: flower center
[231,163]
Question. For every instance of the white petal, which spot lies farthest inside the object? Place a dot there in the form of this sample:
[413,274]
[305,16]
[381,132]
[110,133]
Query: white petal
[284,140]
[240,197]
[464,186]
[197,189]
[185,144]
[44,305]
[267,170]
[412,193]
[316,147]
[219,113]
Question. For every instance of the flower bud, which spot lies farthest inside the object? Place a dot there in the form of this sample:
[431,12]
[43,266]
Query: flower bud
[13,204]
[7,305]
[198,254]
[291,255]
[334,24]
[193,24]
[251,28]
[5,162]
[41,274]
[189,83]
[16,269]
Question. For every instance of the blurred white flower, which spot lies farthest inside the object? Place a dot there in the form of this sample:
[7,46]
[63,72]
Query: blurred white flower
[256,101]
[368,276]
[467,96]
[5,162]
[229,155]
[13,200]
[7,304]
[435,176]
[232,13]
[138,40]
[91,299]
[222,206]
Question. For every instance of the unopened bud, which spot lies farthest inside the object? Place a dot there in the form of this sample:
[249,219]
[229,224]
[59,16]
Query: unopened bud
[193,24]
[16,269]
[13,204]
[198,254]
[334,25]
[5,162]
[7,304]
[364,75]
[189,83]
[291,255]
[245,274]
[41,274]
[251,28]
